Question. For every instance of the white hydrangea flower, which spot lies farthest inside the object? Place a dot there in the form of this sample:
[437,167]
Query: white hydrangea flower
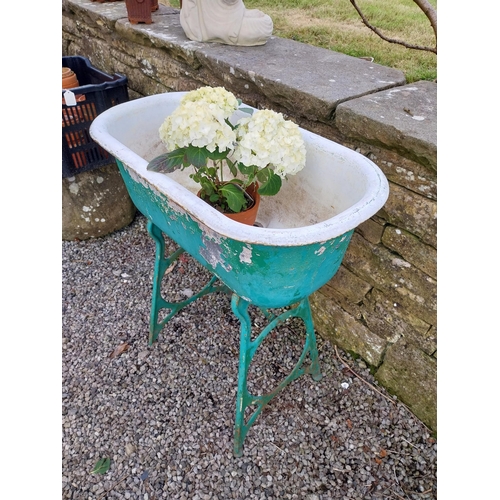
[197,124]
[218,99]
[267,139]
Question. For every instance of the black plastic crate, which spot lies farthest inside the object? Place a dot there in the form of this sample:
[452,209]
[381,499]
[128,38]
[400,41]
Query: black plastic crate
[97,92]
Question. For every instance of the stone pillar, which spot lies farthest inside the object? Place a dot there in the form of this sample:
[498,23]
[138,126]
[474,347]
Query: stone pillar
[95,203]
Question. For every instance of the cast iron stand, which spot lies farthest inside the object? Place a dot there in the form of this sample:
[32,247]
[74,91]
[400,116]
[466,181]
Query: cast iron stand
[248,347]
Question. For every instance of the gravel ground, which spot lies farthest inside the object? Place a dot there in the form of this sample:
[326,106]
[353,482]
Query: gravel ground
[164,414]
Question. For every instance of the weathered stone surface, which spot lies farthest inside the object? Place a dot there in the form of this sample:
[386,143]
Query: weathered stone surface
[414,213]
[387,319]
[404,172]
[412,376]
[391,321]
[95,203]
[422,256]
[165,34]
[341,301]
[334,323]
[398,279]
[371,230]
[311,83]
[349,285]
[403,119]
[419,325]
[103,14]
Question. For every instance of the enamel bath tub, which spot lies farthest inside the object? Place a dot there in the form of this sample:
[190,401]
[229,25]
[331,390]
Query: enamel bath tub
[305,229]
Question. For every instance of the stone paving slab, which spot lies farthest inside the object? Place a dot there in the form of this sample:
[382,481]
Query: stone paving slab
[301,77]
[403,119]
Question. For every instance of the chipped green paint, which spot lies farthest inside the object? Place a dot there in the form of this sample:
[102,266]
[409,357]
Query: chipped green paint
[264,275]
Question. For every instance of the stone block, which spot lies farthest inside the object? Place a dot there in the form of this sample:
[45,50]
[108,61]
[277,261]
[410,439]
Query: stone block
[404,172]
[333,323]
[312,83]
[387,319]
[349,285]
[341,301]
[402,119]
[391,321]
[422,256]
[95,203]
[371,230]
[411,375]
[412,212]
[400,281]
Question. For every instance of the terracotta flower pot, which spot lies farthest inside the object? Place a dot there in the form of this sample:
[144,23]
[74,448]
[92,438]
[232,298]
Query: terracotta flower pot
[69,79]
[248,216]
[139,11]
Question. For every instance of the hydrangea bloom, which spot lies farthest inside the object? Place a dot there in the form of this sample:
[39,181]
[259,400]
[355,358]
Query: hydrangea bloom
[218,99]
[267,139]
[264,148]
[199,125]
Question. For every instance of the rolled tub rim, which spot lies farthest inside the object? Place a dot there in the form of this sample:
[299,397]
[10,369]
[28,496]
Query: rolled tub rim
[186,201]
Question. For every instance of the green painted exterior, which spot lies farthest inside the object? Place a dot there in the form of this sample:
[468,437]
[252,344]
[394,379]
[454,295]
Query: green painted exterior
[264,275]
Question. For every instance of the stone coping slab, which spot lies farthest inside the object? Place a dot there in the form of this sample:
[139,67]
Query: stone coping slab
[403,119]
[309,80]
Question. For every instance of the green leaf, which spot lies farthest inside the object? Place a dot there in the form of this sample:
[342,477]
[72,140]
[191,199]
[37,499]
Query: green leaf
[232,167]
[102,466]
[235,197]
[247,170]
[272,186]
[167,162]
[197,156]
[211,172]
[264,174]
[218,155]
[206,186]
[247,110]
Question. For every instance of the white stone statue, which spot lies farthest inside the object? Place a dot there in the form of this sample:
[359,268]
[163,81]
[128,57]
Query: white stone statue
[225,21]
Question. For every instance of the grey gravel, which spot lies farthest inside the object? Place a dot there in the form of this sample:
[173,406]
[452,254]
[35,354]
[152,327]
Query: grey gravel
[164,413]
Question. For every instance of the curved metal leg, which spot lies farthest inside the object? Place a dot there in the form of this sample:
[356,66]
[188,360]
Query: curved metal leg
[247,351]
[162,263]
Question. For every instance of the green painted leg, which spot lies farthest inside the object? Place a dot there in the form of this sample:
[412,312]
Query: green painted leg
[162,263]
[247,351]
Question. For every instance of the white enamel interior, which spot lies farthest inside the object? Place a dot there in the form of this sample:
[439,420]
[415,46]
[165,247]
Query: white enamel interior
[336,191]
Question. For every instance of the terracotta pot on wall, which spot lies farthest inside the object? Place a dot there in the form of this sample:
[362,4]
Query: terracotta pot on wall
[139,11]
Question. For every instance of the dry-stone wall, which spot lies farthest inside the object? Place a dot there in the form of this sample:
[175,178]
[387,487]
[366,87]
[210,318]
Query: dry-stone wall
[381,305]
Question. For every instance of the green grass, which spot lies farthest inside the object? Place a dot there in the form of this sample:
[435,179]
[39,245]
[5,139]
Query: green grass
[335,25]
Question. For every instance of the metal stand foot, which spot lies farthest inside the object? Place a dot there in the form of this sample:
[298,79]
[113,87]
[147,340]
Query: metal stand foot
[162,263]
[248,348]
